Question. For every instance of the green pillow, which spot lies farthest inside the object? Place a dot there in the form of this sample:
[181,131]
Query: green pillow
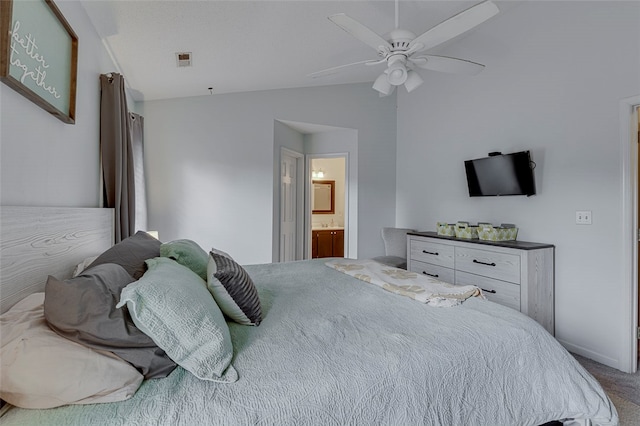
[187,253]
[172,305]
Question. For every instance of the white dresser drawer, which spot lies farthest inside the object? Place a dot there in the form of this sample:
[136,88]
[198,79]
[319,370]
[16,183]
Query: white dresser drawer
[430,252]
[517,274]
[501,266]
[501,292]
[438,272]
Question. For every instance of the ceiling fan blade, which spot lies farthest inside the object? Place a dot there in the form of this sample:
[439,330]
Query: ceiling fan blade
[360,31]
[454,26]
[445,64]
[339,68]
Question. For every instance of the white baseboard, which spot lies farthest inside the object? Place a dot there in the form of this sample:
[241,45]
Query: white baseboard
[587,353]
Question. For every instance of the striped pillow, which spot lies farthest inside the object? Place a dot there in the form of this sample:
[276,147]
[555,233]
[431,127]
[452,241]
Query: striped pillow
[233,290]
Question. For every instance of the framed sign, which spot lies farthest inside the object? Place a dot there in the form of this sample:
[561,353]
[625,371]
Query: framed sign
[39,55]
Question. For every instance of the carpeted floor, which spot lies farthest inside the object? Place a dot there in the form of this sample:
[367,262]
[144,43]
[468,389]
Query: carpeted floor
[623,389]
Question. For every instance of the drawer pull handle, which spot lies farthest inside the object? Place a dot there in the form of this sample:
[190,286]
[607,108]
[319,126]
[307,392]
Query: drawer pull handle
[488,291]
[484,263]
[431,275]
[430,252]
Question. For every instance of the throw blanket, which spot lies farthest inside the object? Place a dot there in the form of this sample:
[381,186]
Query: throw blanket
[410,284]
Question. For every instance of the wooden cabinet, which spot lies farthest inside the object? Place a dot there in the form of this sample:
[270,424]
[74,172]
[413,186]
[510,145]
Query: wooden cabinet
[327,243]
[517,274]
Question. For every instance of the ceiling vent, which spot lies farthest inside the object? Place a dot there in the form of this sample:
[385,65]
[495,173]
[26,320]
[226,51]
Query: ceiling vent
[183,59]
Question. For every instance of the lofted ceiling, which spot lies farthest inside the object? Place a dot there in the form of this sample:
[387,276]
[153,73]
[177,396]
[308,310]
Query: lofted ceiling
[240,46]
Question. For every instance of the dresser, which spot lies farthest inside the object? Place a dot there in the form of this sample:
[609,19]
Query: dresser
[518,274]
[327,243]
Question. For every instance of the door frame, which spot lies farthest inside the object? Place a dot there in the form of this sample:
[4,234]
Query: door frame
[307,199]
[300,217]
[629,153]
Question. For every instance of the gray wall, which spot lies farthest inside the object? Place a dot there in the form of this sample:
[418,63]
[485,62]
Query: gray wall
[210,163]
[43,161]
[553,85]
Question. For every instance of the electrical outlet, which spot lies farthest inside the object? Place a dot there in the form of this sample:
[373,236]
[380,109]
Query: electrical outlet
[583,217]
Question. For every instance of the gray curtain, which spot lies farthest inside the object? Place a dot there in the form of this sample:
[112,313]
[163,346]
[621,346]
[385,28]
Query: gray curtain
[137,143]
[120,137]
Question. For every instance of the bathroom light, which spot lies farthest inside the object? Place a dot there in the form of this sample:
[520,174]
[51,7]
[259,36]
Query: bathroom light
[319,174]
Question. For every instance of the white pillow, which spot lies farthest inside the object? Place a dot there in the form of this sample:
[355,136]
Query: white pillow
[39,369]
[83,265]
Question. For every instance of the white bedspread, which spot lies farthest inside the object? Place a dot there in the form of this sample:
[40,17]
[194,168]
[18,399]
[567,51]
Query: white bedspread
[333,350]
[406,283]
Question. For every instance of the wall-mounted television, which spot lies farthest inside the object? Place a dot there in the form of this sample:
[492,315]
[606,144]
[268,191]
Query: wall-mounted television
[501,174]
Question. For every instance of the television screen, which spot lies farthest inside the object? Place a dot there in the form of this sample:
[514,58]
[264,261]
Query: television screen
[496,175]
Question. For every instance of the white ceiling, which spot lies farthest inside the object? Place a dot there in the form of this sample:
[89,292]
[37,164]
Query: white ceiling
[242,46]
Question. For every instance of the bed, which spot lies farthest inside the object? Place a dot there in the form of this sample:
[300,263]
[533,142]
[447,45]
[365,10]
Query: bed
[330,349]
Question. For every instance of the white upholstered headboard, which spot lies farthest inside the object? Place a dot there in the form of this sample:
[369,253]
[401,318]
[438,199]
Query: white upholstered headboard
[39,241]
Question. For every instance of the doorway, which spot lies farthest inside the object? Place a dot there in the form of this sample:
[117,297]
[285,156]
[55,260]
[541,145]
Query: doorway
[328,204]
[306,141]
[637,310]
[629,133]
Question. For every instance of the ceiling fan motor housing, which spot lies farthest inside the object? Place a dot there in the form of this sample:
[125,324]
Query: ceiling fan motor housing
[399,39]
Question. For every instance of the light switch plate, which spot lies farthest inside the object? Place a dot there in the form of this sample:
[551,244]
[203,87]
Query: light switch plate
[583,217]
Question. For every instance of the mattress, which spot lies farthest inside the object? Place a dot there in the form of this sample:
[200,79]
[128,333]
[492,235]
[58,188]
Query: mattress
[334,350]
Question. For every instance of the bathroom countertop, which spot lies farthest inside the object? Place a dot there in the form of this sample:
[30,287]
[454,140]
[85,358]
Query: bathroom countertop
[326,228]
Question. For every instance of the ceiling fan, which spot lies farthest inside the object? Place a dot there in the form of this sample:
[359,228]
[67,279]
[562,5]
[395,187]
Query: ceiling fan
[400,48]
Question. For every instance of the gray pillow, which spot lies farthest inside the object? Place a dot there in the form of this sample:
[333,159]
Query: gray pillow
[233,290]
[187,253]
[83,309]
[131,253]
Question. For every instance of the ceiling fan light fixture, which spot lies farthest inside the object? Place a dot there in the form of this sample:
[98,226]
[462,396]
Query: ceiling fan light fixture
[397,76]
[413,81]
[382,84]
[396,72]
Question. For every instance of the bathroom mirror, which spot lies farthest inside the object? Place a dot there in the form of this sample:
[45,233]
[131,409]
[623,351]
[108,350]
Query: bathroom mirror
[323,197]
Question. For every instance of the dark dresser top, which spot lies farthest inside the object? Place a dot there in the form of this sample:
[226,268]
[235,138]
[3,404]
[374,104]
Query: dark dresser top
[521,245]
